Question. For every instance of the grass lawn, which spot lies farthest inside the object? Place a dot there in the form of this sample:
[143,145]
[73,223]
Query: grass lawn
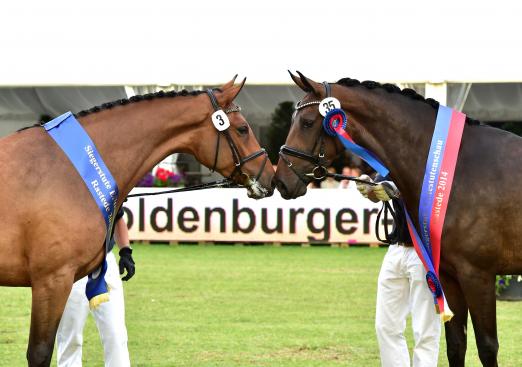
[247,306]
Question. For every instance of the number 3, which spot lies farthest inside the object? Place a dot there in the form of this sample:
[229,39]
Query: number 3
[221,121]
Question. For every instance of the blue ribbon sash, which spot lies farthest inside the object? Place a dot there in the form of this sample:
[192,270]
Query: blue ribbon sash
[74,141]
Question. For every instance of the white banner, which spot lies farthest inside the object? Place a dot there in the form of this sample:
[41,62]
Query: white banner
[322,215]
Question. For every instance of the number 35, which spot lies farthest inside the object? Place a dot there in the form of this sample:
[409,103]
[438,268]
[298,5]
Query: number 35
[329,106]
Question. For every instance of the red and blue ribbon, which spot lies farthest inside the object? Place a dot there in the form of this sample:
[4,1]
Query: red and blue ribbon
[334,123]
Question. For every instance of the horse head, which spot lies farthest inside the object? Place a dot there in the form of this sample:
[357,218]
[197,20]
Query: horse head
[308,150]
[232,149]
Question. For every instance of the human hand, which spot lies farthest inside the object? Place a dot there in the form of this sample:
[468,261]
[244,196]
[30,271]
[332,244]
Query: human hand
[385,191]
[363,188]
[126,263]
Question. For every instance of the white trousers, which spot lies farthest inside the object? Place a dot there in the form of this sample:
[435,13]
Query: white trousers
[109,317]
[401,290]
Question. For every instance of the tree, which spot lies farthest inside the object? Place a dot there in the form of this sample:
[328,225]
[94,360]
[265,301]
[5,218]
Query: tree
[279,127]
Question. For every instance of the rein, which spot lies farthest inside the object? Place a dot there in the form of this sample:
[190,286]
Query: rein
[224,182]
[239,161]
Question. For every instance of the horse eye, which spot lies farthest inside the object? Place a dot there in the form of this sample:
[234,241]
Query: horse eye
[308,123]
[243,130]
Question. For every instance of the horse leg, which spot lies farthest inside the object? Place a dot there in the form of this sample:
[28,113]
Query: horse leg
[49,295]
[479,290]
[456,329]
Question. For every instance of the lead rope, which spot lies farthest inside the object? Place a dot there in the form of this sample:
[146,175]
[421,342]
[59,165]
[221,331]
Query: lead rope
[224,182]
[389,238]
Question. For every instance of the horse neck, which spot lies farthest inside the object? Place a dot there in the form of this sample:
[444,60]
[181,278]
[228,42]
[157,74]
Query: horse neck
[133,138]
[398,130]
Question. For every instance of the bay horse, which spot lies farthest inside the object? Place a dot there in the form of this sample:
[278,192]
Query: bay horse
[482,235]
[52,230]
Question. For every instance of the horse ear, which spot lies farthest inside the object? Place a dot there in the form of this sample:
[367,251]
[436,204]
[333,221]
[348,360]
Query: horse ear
[230,83]
[230,92]
[310,86]
[307,85]
[298,82]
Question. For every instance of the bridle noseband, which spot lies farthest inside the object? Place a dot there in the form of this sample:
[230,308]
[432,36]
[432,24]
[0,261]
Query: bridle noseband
[319,171]
[239,161]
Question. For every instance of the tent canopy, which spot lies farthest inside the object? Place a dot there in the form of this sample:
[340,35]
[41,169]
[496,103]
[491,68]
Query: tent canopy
[64,43]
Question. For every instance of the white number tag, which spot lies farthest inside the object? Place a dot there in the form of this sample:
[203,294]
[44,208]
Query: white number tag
[328,104]
[220,120]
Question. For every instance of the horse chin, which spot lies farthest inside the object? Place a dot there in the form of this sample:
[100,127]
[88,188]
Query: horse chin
[287,194]
[300,190]
[257,191]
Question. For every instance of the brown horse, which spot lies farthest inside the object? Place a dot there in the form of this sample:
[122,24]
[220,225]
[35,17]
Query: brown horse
[52,230]
[482,235]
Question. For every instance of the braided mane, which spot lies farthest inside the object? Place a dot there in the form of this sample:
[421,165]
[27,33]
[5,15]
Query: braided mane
[392,88]
[138,98]
[126,101]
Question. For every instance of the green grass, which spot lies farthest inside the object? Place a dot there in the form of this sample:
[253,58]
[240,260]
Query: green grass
[247,306]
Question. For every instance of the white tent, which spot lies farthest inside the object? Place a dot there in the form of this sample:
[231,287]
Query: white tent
[58,43]
[60,55]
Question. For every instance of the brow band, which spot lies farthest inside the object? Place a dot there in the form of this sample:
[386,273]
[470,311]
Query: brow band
[299,105]
[233,109]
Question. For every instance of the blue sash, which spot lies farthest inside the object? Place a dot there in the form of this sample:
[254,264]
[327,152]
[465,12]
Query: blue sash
[81,151]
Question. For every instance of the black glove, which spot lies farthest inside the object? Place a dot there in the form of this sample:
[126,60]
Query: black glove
[126,263]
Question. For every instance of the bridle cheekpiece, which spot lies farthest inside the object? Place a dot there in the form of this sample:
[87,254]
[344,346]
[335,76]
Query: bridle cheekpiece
[319,172]
[222,124]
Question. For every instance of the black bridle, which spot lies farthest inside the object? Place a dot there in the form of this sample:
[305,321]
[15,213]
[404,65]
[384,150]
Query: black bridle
[319,172]
[239,161]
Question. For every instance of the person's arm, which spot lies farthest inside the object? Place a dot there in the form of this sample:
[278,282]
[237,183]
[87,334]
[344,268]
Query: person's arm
[126,262]
[121,234]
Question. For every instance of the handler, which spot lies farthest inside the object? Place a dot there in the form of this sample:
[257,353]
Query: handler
[109,316]
[401,290]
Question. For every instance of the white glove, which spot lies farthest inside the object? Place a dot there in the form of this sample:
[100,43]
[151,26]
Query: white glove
[385,191]
[363,188]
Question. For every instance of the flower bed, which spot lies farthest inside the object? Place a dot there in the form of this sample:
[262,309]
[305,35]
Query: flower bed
[162,178]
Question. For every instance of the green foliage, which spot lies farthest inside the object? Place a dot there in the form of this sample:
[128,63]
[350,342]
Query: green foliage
[503,281]
[230,306]
[278,130]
